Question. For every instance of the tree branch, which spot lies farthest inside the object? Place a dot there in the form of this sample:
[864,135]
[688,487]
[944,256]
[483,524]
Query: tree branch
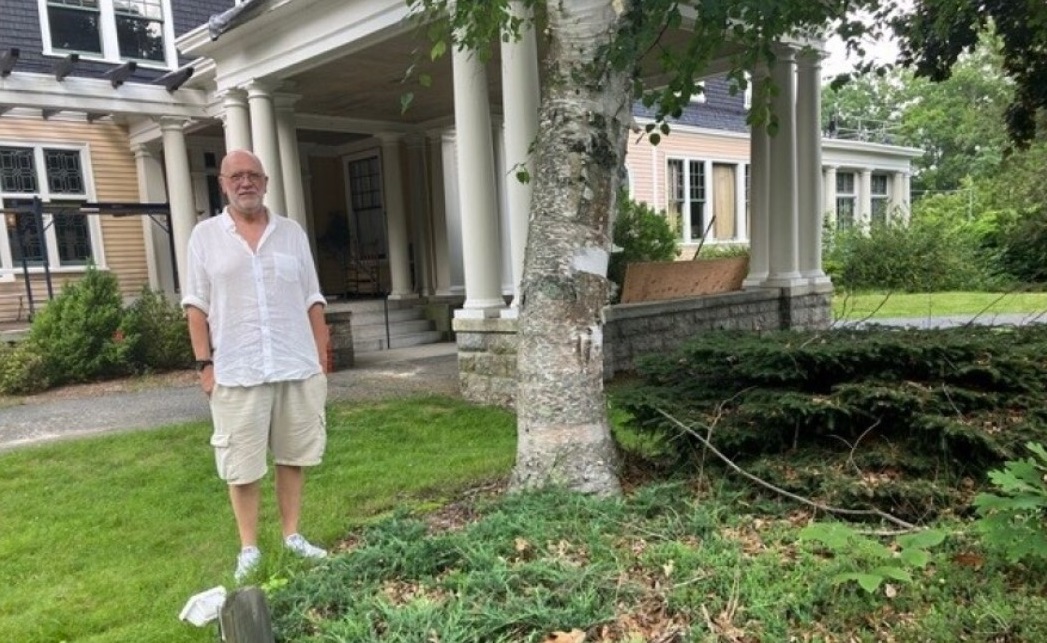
[788,494]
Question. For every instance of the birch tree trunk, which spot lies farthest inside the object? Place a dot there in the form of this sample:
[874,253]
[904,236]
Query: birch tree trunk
[563,430]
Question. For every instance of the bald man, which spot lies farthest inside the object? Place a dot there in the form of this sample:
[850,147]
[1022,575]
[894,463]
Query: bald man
[256,322]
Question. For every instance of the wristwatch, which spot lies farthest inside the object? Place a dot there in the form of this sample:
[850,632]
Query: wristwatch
[201,364]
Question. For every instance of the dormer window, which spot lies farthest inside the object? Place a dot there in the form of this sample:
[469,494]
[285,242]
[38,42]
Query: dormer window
[110,30]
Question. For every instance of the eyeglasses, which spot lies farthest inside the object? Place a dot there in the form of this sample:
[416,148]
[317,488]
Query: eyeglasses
[240,177]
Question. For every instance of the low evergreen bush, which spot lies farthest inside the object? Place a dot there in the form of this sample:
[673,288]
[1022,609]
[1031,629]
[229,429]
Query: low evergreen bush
[909,420]
[22,369]
[76,333]
[643,235]
[155,334]
[85,334]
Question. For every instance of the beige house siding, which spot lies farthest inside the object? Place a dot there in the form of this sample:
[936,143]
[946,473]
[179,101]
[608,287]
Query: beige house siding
[111,177]
[647,163]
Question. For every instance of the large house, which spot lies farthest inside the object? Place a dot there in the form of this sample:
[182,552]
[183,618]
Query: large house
[699,174]
[135,101]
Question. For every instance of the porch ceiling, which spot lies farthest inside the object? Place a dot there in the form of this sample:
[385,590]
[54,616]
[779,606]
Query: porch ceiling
[368,85]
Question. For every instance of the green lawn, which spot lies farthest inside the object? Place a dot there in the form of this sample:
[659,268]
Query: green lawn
[103,540]
[856,306]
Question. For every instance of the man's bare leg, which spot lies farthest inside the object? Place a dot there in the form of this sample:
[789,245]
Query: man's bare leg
[289,483]
[246,499]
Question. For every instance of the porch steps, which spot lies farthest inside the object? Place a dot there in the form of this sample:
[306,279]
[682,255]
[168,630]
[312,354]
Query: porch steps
[408,325]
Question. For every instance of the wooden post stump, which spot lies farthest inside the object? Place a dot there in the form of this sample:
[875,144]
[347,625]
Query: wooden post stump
[245,617]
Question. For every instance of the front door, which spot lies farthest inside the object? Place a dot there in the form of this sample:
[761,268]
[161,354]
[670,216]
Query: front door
[367,238]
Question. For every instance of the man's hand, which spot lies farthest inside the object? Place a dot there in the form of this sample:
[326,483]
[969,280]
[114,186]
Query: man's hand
[207,379]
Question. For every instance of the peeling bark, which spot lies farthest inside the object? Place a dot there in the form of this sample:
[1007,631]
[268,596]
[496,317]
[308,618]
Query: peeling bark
[563,430]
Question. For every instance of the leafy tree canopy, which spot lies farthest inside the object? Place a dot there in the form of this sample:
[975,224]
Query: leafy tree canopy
[936,32]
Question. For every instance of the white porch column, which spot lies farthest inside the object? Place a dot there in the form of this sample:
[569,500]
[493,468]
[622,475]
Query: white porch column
[784,229]
[418,211]
[759,196]
[307,195]
[865,199]
[520,94]
[899,205]
[236,120]
[179,190]
[809,165]
[740,203]
[477,188]
[907,195]
[158,255]
[290,163]
[395,218]
[830,196]
[439,179]
[266,142]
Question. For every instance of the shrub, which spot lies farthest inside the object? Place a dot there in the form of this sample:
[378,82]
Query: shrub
[77,332]
[156,335]
[723,251]
[1013,522]
[643,235]
[905,419]
[1023,251]
[920,257]
[22,369]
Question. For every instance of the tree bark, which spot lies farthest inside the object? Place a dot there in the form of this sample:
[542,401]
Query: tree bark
[564,436]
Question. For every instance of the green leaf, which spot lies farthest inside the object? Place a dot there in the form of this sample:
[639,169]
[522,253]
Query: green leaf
[438,50]
[831,534]
[425,80]
[914,557]
[868,582]
[890,571]
[1038,450]
[405,101]
[922,539]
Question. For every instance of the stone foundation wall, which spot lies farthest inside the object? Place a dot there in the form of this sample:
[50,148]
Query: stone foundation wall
[487,360]
[487,347]
[340,353]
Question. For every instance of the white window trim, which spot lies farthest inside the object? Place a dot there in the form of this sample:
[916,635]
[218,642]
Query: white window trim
[8,270]
[884,196]
[684,235]
[110,45]
[852,196]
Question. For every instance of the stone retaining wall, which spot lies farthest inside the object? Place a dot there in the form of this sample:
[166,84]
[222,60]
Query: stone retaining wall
[487,347]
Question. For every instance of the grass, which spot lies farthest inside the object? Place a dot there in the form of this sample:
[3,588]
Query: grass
[104,539]
[673,561]
[858,306]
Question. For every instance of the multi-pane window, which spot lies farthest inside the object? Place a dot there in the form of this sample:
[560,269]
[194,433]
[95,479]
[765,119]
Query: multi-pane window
[846,198]
[686,198]
[56,176]
[878,195]
[114,30]
[368,213]
[76,25]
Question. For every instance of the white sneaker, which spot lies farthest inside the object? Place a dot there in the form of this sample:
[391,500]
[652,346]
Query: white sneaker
[246,562]
[299,545]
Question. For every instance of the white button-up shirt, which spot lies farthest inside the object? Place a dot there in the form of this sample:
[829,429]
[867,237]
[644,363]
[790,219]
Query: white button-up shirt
[256,302]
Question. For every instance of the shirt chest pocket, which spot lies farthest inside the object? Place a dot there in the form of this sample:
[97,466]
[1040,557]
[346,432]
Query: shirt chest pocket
[286,267]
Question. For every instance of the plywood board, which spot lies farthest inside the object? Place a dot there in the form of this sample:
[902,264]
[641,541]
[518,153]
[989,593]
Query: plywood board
[661,280]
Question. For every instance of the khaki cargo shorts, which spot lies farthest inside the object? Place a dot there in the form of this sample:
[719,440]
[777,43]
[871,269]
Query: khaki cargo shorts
[286,418]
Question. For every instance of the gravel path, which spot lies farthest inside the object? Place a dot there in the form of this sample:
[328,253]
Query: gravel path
[175,398]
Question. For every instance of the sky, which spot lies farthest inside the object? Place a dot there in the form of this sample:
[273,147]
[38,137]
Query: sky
[838,62]
[884,50]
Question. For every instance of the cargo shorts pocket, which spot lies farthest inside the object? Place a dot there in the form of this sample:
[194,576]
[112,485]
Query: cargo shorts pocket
[222,457]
